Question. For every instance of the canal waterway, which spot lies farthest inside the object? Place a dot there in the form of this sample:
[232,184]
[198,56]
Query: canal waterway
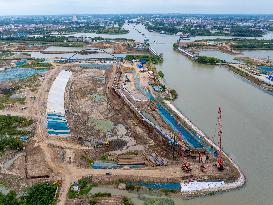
[247,116]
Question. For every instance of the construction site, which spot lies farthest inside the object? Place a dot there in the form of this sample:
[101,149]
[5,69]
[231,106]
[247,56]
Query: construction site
[115,122]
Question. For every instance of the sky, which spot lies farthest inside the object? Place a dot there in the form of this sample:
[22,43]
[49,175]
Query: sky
[48,7]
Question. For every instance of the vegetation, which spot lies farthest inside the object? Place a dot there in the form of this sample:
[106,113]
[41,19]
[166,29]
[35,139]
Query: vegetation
[102,125]
[237,31]
[252,44]
[148,58]
[245,31]
[175,46]
[209,60]
[11,130]
[84,187]
[104,157]
[174,94]
[126,201]
[158,201]
[37,64]
[93,201]
[47,39]
[9,125]
[102,194]
[11,143]
[161,74]
[39,194]
[5,99]
[43,193]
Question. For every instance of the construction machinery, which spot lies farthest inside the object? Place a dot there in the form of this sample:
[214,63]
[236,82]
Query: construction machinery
[220,163]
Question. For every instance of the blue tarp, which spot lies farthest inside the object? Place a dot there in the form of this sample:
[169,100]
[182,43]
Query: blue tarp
[270,77]
[19,73]
[111,165]
[157,88]
[193,140]
[24,138]
[169,186]
[20,63]
[58,133]
[266,68]
[140,65]
[96,66]
[57,125]
[143,61]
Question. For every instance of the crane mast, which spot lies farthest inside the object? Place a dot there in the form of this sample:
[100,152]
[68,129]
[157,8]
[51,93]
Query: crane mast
[220,164]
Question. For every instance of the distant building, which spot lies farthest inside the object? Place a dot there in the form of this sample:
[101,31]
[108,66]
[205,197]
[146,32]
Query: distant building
[74,19]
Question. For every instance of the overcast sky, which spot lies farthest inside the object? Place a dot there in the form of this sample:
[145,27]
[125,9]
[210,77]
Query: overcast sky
[29,7]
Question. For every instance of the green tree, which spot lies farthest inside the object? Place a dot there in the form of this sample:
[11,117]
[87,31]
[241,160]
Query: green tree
[161,74]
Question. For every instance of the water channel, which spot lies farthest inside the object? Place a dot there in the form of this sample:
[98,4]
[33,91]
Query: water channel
[247,117]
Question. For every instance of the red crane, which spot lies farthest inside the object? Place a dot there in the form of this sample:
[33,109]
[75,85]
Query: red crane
[220,164]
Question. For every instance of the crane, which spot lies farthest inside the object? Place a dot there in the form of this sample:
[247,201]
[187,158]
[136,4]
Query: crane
[220,164]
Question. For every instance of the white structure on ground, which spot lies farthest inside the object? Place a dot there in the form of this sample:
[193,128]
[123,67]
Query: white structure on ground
[55,102]
[200,186]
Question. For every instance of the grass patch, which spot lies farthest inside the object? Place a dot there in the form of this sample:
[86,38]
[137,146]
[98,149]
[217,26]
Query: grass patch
[6,99]
[102,194]
[9,125]
[104,157]
[97,98]
[148,58]
[132,153]
[209,60]
[11,130]
[150,201]
[38,194]
[10,143]
[38,64]
[93,201]
[102,125]
[43,193]
[126,201]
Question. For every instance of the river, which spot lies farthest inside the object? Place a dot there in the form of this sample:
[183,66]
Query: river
[247,117]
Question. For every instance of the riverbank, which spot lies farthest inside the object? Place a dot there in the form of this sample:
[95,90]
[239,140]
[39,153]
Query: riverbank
[258,80]
[254,79]
[238,183]
[193,137]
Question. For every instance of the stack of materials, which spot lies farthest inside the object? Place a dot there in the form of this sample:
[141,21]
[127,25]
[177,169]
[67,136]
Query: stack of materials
[156,160]
[57,125]
[270,77]
[200,186]
[130,160]
[56,121]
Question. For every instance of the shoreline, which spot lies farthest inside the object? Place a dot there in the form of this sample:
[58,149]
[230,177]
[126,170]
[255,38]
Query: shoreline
[240,178]
[238,183]
[254,80]
[250,78]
